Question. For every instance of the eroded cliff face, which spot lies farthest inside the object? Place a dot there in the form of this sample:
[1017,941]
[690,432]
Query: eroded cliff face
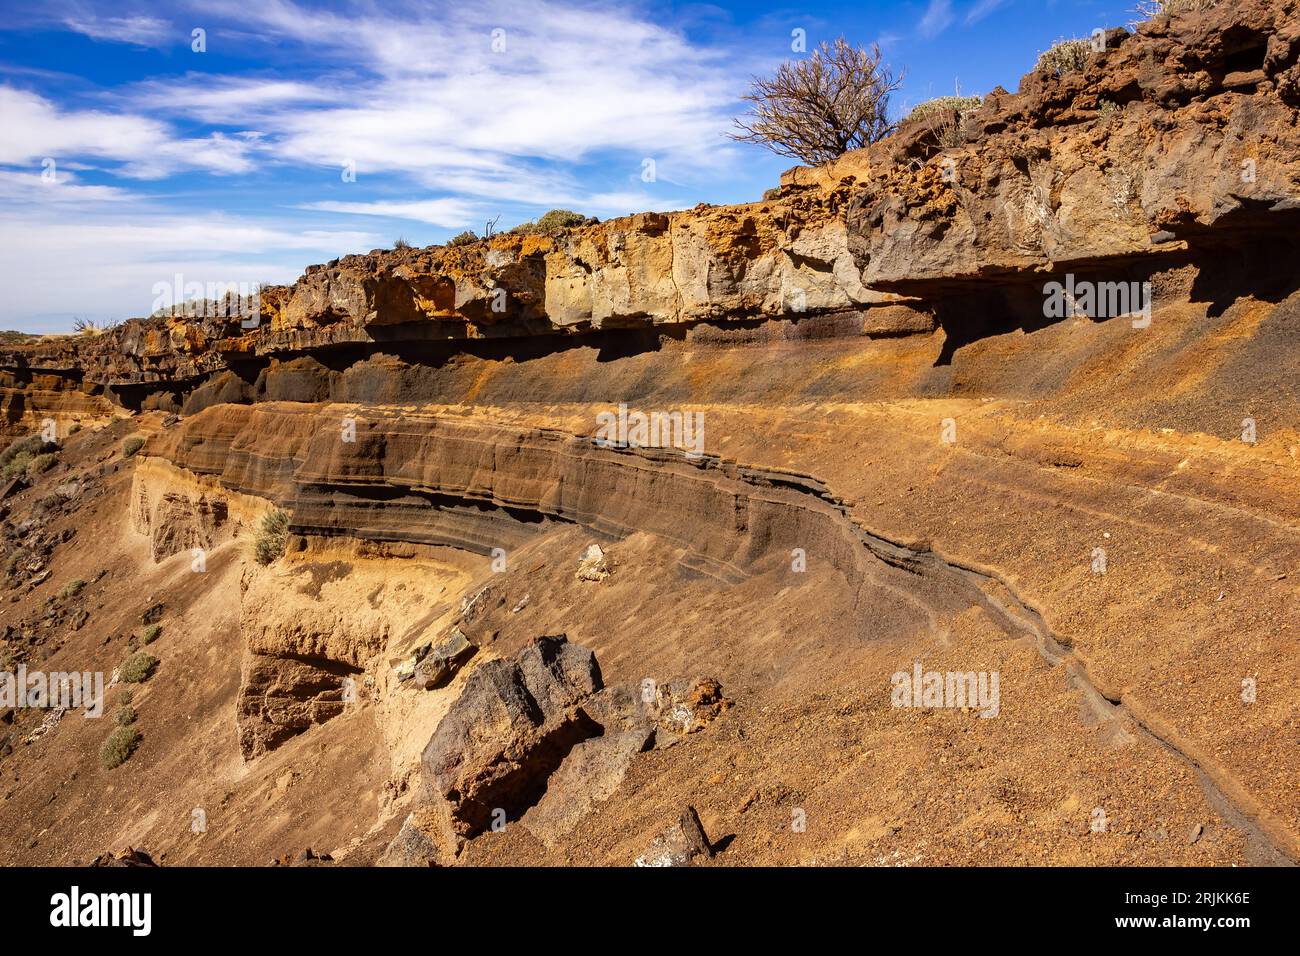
[904,459]
[1175,139]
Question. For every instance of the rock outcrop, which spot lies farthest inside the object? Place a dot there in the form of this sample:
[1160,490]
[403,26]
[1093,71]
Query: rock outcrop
[1173,140]
[513,724]
[906,457]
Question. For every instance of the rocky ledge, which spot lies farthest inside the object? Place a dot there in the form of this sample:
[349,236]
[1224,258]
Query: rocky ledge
[1175,138]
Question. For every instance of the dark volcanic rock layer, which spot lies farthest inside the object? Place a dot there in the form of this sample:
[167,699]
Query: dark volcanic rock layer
[436,480]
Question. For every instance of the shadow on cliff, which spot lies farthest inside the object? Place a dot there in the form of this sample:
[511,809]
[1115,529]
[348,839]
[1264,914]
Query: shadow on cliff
[1245,256]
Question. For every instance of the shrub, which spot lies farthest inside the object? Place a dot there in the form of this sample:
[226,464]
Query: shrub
[818,108]
[125,697]
[30,447]
[553,221]
[72,588]
[15,559]
[1065,56]
[119,746]
[17,465]
[945,105]
[125,715]
[1155,8]
[92,327]
[41,463]
[401,243]
[132,445]
[151,633]
[272,536]
[138,668]
[463,238]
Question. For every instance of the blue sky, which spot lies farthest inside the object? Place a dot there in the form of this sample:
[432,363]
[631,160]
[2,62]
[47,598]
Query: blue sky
[128,157]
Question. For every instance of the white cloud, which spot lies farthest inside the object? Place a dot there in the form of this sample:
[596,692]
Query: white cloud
[36,129]
[24,187]
[448,213]
[983,9]
[937,18]
[137,31]
[226,101]
[105,264]
[424,95]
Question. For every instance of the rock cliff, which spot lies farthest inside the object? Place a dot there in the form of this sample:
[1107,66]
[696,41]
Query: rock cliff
[906,459]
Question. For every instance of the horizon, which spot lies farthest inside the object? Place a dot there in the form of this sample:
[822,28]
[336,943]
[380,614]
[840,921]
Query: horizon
[299,134]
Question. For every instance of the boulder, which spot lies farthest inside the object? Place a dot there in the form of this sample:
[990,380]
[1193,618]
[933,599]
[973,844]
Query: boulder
[678,845]
[443,660]
[592,565]
[413,846]
[512,725]
[671,710]
[127,857]
[589,775]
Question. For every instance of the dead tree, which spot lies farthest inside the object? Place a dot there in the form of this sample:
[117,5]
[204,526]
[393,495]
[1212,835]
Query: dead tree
[817,109]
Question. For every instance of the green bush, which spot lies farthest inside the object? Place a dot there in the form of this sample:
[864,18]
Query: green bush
[272,536]
[553,221]
[138,668]
[151,633]
[557,219]
[72,588]
[125,715]
[132,445]
[119,746]
[463,238]
[17,465]
[31,446]
[945,105]
[41,463]
[15,559]
[1065,56]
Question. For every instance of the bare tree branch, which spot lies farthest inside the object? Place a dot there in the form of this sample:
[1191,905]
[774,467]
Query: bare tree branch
[817,109]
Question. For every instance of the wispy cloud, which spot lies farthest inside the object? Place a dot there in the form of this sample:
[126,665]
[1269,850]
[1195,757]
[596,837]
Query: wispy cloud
[982,9]
[36,129]
[451,105]
[938,17]
[450,213]
[137,31]
[55,187]
[104,262]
